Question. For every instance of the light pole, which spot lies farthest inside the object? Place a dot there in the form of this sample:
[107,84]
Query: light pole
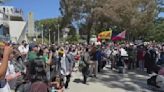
[49,37]
[42,34]
[58,35]
[54,37]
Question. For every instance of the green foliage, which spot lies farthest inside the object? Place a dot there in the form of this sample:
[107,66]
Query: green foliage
[94,16]
[157,33]
[48,25]
[73,39]
[39,41]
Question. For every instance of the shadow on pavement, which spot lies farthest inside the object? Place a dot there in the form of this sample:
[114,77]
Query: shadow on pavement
[132,81]
[77,81]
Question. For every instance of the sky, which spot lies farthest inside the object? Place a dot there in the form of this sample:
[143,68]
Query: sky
[42,9]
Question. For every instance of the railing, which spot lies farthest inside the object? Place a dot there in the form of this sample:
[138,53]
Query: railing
[12,12]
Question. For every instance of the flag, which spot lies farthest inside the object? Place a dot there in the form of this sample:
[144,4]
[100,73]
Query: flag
[105,35]
[120,36]
[2,43]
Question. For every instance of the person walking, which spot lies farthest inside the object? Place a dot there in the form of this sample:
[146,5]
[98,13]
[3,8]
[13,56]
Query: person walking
[66,66]
[85,69]
[94,62]
[150,58]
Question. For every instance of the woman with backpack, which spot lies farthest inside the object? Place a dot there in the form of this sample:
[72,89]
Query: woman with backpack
[39,81]
[86,62]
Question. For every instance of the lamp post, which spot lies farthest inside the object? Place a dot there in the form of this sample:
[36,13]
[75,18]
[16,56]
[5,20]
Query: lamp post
[54,37]
[49,37]
[42,34]
[58,35]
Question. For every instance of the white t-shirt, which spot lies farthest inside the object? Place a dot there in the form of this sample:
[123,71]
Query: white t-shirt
[6,88]
[26,49]
[123,52]
[108,52]
[21,49]
[10,70]
[115,52]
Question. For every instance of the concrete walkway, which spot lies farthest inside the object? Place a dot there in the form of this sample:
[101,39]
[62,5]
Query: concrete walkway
[111,81]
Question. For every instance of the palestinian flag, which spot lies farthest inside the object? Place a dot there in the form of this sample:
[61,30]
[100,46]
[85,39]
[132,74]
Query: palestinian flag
[120,36]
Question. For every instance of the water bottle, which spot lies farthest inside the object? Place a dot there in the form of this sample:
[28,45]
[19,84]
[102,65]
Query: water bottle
[53,89]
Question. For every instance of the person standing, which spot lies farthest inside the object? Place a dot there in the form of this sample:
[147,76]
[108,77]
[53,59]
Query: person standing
[66,66]
[11,74]
[32,55]
[150,58]
[94,61]
[85,69]
[23,49]
[114,58]
[141,55]
[3,68]
[69,60]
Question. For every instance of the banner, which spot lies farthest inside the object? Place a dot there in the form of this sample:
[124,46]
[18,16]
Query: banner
[2,44]
[105,35]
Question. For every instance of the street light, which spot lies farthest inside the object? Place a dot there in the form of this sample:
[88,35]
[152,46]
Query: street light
[58,35]
[54,37]
[42,34]
[49,37]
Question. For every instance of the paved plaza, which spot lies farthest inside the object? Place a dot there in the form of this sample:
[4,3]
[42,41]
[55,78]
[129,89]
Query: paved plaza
[111,81]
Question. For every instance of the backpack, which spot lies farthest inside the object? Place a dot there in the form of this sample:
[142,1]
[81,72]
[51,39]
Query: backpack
[153,55]
[39,86]
[23,87]
[82,63]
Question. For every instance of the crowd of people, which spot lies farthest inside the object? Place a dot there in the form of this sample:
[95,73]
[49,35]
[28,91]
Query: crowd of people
[43,68]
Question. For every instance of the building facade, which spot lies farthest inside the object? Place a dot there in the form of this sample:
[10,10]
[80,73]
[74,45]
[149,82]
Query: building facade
[13,27]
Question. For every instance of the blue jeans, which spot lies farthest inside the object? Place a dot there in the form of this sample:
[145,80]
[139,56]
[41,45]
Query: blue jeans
[141,65]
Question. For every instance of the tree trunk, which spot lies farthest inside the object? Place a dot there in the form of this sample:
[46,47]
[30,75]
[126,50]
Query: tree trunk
[89,27]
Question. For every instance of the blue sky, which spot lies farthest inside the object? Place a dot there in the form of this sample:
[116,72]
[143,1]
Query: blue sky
[161,14]
[41,9]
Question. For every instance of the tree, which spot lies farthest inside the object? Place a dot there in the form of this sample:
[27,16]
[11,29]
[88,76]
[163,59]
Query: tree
[157,33]
[134,16]
[48,25]
[78,11]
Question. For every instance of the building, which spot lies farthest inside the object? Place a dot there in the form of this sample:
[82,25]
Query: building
[13,27]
